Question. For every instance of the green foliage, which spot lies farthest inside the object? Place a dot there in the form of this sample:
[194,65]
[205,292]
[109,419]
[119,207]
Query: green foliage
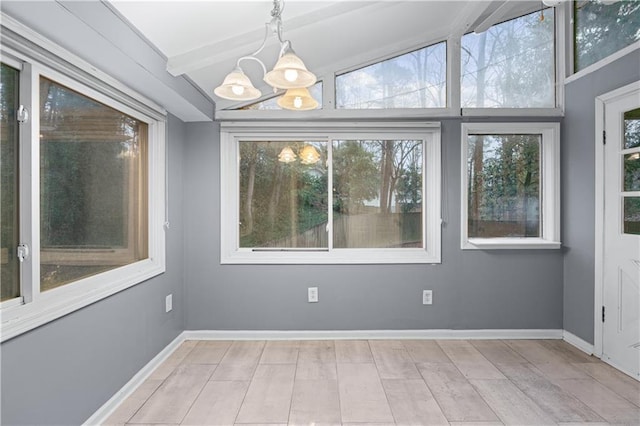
[604,29]
[409,189]
[356,177]
[504,183]
[9,182]
[286,199]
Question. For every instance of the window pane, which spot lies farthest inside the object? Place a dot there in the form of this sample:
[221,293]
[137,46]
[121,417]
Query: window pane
[272,103]
[511,65]
[415,80]
[9,267]
[632,215]
[504,186]
[93,187]
[601,29]
[632,129]
[631,164]
[283,194]
[377,193]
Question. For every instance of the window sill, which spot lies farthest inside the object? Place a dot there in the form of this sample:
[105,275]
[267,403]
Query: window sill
[337,256]
[510,244]
[18,318]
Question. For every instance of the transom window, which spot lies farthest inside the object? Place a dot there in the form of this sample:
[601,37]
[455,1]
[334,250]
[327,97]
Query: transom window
[601,29]
[331,195]
[416,79]
[511,65]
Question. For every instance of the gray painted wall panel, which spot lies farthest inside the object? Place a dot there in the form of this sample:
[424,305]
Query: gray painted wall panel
[578,188]
[62,372]
[472,289]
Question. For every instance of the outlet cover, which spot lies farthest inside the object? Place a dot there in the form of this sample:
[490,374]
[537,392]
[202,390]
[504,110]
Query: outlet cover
[168,303]
[427,297]
[313,294]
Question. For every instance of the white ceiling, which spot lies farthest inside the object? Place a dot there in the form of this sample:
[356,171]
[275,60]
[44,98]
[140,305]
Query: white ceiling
[203,39]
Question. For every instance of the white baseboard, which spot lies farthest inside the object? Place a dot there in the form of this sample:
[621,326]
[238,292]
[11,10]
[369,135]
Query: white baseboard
[369,334]
[103,413]
[577,342]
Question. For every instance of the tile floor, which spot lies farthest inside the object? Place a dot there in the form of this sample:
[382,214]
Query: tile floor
[382,382]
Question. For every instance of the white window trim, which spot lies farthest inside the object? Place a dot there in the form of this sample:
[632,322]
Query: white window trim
[232,132]
[550,191]
[33,309]
[603,62]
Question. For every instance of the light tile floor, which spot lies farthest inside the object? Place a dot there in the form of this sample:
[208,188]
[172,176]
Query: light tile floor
[382,382]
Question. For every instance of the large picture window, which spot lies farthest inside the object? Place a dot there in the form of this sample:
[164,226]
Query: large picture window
[510,185]
[330,195]
[83,190]
[93,187]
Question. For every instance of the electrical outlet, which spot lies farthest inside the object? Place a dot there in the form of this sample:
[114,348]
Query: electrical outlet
[427,297]
[313,294]
[168,303]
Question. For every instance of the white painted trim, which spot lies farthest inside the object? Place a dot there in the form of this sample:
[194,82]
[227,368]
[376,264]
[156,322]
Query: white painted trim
[600,107]
[512,112]
[574,340]
[602,62]
[103,413]
[233,132]
[510,244]
[550,191]
[598,269]
[370,334]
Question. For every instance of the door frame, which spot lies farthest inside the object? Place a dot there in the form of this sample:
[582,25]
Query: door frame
[600,117]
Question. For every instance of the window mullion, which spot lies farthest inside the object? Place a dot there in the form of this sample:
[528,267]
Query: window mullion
[454,80]
[330,194]
[29,183]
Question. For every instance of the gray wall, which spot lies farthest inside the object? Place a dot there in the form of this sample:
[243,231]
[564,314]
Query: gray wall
[62,372]
[578,188]
[472,289]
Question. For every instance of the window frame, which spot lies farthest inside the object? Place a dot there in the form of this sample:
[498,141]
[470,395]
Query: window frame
[37,57]
[549,191]
[569,58]
[231,133]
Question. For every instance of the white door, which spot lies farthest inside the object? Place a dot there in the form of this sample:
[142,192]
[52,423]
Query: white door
[621,268]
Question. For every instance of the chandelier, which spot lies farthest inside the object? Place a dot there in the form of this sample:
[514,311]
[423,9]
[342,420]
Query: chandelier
[289,72]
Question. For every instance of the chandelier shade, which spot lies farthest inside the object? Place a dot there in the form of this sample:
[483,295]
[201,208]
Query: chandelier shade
[237,87]
[290,73]
[287,155]
[309,155]
[298,100]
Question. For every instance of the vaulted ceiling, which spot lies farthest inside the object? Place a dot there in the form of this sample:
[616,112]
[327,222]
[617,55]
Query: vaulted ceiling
[203,39]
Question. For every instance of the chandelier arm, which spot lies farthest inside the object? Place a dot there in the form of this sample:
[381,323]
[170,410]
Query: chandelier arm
[264,40]
[251,57]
